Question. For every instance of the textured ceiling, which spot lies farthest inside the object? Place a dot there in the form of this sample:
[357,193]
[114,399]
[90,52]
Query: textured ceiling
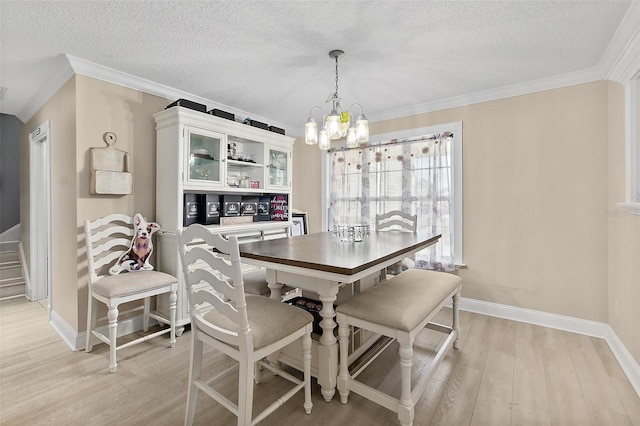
[271,57]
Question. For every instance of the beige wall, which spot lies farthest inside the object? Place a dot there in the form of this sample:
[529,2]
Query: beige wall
[60,110]
[105,107]
[542,173]
[534,200]
[624,236]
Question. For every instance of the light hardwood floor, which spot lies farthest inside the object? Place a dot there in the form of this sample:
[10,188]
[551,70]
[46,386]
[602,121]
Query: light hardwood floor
[505,373]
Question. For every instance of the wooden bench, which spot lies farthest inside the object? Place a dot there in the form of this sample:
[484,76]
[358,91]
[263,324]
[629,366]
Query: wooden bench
[398,308]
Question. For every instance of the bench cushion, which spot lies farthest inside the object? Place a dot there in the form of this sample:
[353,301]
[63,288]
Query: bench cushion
[403,301]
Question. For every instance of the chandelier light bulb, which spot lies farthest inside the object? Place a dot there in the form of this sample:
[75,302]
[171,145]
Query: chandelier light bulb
[311,132]
[323,140]
[351,137]
[333,125]
[362,129]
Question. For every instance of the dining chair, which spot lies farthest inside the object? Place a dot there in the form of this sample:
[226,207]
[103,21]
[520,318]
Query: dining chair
[245,327]
[107,240]
[398,221]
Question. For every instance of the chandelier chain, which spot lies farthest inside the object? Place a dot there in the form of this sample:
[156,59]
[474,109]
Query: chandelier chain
[336,76]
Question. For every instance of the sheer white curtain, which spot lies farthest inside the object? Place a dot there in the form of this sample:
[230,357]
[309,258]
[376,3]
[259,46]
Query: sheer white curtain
[413,175]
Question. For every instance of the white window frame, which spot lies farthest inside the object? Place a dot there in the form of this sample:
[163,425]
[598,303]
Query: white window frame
[626,71]
[456,152]
[632,148]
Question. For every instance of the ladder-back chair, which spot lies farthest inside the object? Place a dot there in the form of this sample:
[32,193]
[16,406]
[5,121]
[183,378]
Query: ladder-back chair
[107,240]
[398,221]
[245,327]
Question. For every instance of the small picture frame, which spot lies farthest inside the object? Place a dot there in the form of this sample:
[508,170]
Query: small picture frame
[299,224]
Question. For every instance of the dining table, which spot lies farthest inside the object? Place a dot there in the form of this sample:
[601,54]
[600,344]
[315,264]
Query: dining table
[322,263]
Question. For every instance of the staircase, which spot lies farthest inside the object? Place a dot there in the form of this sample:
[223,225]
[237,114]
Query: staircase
[12,282]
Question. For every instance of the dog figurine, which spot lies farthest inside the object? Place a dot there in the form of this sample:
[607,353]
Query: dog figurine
[137,257]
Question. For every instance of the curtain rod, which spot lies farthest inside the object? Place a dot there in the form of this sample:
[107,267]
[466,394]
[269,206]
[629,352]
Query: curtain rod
[432,136]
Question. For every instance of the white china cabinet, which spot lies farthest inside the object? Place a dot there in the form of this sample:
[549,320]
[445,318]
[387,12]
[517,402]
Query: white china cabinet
[201,157]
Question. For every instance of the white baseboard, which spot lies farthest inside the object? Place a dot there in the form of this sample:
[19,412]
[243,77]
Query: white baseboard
[575,325]
[624,357]
[64,330]
[529,316]
[76,341]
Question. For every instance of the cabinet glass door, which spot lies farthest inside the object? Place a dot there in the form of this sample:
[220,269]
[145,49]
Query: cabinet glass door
[278,167]
[203,157]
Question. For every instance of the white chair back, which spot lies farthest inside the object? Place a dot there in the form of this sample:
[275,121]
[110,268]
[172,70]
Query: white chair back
[213,282]
[107,239]
[396,220]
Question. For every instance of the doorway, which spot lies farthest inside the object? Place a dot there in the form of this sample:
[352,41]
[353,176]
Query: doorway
[40,215]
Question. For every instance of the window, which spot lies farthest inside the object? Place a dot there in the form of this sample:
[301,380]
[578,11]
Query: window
[632,142]
[632,136]
[626,71]
[418,174]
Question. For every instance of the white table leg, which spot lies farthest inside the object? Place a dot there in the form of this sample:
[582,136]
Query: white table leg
[328,348]
[274,286]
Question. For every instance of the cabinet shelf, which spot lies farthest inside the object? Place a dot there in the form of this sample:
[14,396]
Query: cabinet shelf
[204,157]
[238,163]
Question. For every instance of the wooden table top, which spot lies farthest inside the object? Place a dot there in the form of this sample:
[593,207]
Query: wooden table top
[324,252]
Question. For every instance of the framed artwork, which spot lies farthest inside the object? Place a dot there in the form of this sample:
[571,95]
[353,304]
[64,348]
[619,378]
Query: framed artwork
[299,224]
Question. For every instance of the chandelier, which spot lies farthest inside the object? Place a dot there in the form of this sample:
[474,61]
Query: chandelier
[338,123]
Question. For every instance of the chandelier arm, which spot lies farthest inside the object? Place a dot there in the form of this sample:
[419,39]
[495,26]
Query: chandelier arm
[358,105]
[312,109]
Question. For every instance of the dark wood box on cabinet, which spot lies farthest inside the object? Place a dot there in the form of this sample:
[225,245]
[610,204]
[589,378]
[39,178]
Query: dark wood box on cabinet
[275,129]
[210,209]
[191,213]
[222,114]
[188,104]
[259,124]
[231,205]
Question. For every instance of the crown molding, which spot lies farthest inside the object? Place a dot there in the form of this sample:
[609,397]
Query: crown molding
[110,75]
[555,82]
[622,58]
[63,72]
